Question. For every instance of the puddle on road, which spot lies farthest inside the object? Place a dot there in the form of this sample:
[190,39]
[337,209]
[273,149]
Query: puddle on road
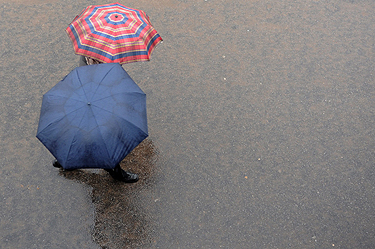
[121,220]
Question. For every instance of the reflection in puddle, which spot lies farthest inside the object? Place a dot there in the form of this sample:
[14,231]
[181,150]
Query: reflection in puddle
[121,220]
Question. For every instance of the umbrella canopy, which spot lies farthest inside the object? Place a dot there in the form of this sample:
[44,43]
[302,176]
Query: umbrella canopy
[93,118]
[113,33]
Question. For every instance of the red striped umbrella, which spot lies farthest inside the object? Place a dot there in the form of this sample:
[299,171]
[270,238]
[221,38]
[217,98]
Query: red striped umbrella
[113,33]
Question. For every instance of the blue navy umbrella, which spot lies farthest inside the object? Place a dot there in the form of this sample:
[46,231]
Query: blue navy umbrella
[93,118]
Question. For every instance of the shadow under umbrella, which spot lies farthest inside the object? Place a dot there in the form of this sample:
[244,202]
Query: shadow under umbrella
[121,219]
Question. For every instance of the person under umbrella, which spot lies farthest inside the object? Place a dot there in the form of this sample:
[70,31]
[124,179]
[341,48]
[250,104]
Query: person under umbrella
[117,173]
[93,118]
[113,33]
[84,61]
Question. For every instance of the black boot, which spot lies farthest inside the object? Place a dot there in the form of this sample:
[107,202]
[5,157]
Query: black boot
[121,175]
[56,164]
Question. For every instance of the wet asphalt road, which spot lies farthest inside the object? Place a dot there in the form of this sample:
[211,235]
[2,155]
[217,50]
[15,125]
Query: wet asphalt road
[261,117]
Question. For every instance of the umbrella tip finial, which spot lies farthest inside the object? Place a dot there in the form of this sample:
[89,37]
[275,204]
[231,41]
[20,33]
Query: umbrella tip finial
[88,103]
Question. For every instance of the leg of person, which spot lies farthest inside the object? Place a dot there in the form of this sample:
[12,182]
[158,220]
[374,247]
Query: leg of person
[121,175]
[82,61]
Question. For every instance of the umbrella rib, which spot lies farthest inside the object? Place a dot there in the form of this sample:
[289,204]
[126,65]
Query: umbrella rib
[53,94]
[118,116]
[70,148]
[102,80]
[58,119]
[80,82]
[106,74]
[118,94]
[63,134]
[97,124]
